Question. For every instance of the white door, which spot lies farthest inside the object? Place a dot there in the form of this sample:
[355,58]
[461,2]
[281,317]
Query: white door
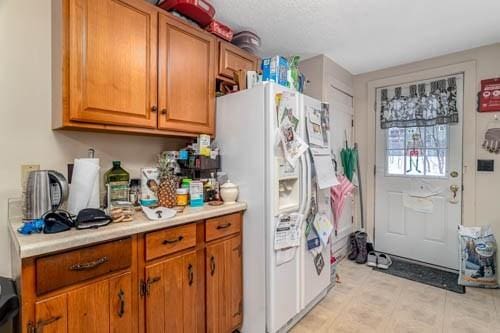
[418,188]
[341,122]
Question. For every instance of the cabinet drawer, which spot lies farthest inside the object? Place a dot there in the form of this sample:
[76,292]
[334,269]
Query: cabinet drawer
[222,226]
[233,59]
[168,241]
[63,269]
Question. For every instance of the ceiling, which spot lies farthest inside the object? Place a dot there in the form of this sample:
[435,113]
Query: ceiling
[365,35]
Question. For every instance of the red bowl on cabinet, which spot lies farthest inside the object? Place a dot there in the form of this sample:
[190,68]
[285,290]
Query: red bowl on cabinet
[200,11]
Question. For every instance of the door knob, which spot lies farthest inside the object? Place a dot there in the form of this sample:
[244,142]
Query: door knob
[454,174]
[454,189]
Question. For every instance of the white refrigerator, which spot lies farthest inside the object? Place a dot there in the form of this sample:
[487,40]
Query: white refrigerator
[275,295]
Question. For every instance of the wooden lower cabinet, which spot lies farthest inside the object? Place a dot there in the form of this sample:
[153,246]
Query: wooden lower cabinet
[182,279]
[104,306]
[224,285]
[171,295]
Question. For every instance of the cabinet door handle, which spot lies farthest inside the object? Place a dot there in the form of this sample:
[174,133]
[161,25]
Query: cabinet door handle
[121,297]
[42,323]
[212,265]
[149,282]
[223,226]
[88,265]
[154,108]
[190,274]
[173,241]
[164,111]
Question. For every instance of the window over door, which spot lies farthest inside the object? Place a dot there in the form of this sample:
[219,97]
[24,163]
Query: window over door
[417,151]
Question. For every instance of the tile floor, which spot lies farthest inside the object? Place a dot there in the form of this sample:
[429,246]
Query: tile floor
[370,301]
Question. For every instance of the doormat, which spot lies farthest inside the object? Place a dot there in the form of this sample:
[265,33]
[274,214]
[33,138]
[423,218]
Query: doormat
[424,274]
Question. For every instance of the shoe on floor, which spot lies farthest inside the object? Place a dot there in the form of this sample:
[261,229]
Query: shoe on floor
[383,261]
[372,259]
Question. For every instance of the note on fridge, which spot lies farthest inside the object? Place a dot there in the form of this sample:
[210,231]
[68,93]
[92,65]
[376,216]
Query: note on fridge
[287,231]
[314,128]
[325,172]
[323,227]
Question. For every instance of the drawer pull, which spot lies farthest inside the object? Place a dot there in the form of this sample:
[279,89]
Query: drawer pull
[212,265]
[121,297]
[41,323]
[223,226]
[190,274]
[88,265]
[173,241]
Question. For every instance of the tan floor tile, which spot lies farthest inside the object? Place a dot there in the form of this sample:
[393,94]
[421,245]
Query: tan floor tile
[371,301]
[465,324]
[405,325]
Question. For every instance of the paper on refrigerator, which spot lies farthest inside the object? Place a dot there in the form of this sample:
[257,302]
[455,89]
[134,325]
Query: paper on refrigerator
[293,145]
[323,227]
[325,172]
[314,129]
[287,231]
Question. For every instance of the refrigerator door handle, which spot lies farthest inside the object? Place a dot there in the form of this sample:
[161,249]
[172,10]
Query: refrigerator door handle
[303,185]
[309,184]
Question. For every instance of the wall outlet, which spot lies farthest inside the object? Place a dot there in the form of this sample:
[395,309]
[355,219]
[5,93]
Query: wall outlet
[25,171]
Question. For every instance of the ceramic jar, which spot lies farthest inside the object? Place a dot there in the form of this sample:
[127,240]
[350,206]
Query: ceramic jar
[229,192]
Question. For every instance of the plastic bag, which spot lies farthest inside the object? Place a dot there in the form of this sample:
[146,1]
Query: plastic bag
[478,257]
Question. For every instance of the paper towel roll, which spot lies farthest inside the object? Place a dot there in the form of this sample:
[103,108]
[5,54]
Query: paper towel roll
[84,190]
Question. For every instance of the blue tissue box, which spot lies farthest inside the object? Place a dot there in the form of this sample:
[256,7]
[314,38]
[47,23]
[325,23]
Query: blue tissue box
[275,69]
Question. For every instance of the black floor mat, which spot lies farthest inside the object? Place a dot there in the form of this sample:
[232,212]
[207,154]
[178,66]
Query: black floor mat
[424,274]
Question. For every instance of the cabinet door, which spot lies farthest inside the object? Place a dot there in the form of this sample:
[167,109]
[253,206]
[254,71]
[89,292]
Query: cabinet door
[233,59]
[224,286]
[216,290]
[51,315]
[186,81]
[171,302]
[113,62]
[88,308]
[234,282]
[120,304]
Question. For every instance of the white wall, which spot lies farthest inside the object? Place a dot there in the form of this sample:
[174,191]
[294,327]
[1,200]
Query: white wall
[484,189]
[25,113]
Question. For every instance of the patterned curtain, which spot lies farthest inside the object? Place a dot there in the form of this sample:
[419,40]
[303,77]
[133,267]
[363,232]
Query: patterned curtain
[426,104]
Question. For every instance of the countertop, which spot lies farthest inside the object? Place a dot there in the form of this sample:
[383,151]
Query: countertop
[40,244]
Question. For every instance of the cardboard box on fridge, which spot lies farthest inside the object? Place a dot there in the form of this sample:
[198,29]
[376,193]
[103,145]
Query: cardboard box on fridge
[275,69]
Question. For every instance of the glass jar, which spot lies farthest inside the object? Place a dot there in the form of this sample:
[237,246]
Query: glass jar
[182,196]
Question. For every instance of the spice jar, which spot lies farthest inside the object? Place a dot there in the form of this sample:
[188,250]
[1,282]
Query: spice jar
[182,197]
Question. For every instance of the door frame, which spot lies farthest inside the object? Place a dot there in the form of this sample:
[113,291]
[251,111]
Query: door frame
[469,131]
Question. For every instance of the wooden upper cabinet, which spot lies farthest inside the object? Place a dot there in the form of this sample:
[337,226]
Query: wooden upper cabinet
[113,62]
[233,59]
[186,78]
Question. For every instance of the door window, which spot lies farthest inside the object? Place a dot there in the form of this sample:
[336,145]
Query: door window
[417,151]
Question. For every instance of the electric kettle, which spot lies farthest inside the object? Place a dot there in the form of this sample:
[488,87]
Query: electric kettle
[46,190]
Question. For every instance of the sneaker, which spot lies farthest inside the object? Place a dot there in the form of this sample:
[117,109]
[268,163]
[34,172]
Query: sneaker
[372,259]
[383,261]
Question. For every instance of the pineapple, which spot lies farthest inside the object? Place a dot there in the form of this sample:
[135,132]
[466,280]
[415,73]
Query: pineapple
[166,192]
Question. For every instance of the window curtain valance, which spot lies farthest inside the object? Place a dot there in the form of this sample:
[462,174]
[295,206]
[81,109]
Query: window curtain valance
[422,104]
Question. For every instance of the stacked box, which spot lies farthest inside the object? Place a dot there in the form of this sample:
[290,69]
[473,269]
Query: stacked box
[275,69]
